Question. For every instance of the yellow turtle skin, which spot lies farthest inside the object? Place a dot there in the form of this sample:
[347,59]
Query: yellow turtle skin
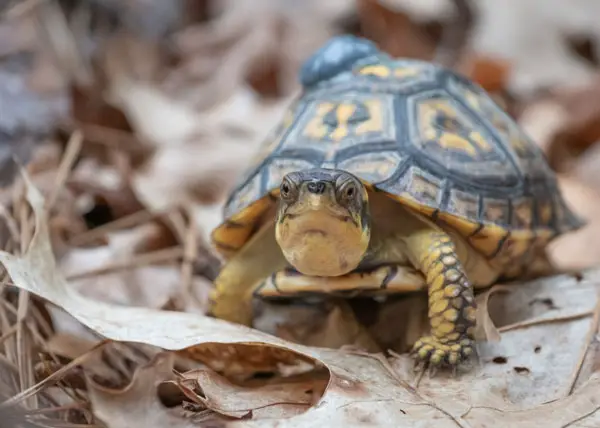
[451,196]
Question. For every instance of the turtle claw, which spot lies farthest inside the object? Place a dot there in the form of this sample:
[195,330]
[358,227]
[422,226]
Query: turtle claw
[435,353]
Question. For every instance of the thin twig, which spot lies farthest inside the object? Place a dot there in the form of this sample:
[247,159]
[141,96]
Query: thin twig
[131,220]
[161,256]
[64,169]
[110,137]
[586,346]
[23,352]
[529,323]
[190,254]
[52,378]
[8,333]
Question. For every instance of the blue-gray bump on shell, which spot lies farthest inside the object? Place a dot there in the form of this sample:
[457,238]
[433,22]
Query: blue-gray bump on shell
[426,132]
[335,57]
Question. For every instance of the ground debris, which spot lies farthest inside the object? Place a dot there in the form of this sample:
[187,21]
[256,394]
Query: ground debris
[134,119]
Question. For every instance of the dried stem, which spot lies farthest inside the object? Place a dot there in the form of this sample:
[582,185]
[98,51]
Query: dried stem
[161,256]
[586,346]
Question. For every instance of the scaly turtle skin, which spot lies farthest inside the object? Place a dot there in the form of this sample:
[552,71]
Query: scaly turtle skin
[389,176]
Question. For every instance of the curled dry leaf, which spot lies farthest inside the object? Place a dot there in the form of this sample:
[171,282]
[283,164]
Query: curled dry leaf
[486,330]
[357,381]
[140,399]
[283,399]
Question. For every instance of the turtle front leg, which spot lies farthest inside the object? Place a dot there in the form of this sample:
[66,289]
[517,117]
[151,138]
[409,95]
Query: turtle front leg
[451,299]
[231,299]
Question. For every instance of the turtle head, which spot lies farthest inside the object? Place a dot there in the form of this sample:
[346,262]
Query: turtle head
[323,225]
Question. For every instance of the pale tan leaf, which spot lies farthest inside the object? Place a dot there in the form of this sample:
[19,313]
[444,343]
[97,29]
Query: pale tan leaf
[485,325]
[138,404]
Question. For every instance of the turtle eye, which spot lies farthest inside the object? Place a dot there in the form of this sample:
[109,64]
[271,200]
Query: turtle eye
[286,189]
[348,192]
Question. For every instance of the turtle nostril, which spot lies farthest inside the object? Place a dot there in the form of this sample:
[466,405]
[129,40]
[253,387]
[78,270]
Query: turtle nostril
[317,187]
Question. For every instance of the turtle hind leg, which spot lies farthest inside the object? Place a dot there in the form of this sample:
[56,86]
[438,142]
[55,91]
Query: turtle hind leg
[451,299]
[231,299]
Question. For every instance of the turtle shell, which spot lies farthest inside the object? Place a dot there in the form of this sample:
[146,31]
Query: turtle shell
[425,135]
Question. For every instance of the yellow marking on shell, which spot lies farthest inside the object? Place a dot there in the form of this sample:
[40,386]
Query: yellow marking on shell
[464,226]
[480,141]
[316,129]
[438,306]
[430,134]
[376,70]
[402,72]
[456,142]
[375,121]
[448,137]
[487,239]
[233,238]
[343,112]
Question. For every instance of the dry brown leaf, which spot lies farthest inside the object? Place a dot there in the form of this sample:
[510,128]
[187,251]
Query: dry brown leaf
[358,381]
[566,124]
[394,31]
[490,73]
[138,404]
[282,399]
[580,249]
[486,330]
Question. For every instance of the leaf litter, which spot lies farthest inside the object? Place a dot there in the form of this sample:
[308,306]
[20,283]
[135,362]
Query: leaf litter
[106,284]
